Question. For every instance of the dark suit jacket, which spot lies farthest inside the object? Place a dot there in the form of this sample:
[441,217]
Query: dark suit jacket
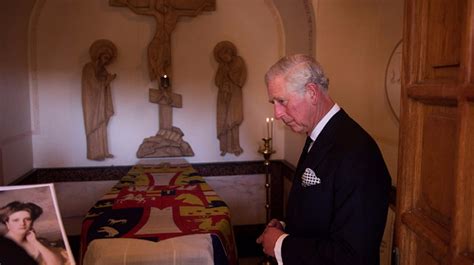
[341,220]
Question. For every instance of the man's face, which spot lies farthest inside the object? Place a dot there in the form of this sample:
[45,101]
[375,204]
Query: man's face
[293,108]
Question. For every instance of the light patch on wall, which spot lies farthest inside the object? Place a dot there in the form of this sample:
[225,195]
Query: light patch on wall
[33,67]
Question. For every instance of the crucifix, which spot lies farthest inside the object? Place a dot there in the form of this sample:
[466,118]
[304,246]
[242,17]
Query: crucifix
[166,14]
[168,141]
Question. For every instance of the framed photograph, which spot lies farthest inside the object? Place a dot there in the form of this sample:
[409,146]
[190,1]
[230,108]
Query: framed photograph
[31,228]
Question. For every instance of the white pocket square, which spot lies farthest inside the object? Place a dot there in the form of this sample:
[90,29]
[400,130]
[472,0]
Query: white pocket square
[309,178]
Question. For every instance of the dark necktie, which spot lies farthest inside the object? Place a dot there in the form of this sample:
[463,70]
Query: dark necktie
[304,152]
[307,144]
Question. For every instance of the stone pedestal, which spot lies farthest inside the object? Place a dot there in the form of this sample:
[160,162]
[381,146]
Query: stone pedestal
[166,143]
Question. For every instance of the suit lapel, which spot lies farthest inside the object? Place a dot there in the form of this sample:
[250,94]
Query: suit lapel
[323,143]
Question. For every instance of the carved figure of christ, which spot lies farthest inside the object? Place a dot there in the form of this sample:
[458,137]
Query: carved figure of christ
[166,14]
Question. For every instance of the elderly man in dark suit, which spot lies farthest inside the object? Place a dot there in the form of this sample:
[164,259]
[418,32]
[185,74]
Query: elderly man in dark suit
[338,202]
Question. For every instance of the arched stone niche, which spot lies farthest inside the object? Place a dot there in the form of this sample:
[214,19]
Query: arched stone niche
[297,25]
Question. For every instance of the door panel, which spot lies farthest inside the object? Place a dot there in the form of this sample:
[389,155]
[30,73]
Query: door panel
[440,22]
[426,254]
[467,187]
[435,198]
[435,201]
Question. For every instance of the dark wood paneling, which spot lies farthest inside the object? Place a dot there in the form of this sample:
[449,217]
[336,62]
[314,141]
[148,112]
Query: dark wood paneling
[426,254]
[438,160]
[441,42]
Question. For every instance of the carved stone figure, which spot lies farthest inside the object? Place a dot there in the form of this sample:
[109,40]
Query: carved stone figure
[97,98]
[166,14]
[230,78]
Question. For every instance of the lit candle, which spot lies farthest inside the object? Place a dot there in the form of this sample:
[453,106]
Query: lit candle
[271,133]
[271,126]
[268,127]
[165,81]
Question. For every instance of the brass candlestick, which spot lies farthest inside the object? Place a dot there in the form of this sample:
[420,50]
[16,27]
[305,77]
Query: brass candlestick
[267,151]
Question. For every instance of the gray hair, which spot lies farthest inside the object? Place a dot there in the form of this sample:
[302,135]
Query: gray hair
[298,70]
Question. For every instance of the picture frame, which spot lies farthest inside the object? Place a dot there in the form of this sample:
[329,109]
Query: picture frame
[39,203]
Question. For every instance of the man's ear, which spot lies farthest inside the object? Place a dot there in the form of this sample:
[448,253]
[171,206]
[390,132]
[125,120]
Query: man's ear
[313,92]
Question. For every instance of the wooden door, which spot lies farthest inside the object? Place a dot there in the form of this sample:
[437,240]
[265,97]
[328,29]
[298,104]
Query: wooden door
[435,191]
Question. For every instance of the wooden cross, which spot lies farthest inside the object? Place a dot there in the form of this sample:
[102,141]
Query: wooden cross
[167,100]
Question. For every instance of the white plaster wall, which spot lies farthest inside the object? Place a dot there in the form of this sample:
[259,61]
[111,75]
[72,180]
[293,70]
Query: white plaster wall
[354,43]
[354,40]
[244,195]
[85,194]
[15,130]
[66,29]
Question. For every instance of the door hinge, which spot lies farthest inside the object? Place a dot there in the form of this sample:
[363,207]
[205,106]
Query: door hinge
[395,256]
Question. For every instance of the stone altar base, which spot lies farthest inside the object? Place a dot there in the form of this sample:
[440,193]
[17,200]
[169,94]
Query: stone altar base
[166,143]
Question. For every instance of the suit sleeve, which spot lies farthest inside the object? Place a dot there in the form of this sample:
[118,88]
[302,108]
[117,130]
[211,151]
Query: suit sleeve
[360,191]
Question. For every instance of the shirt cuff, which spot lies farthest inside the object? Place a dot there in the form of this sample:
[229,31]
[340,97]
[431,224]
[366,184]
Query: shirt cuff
[277,249]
